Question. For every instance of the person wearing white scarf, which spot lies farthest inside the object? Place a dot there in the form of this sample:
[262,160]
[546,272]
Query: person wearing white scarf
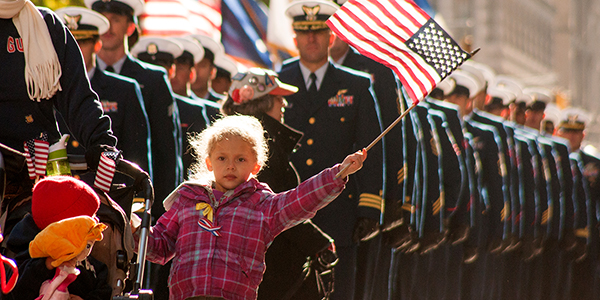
[42,68]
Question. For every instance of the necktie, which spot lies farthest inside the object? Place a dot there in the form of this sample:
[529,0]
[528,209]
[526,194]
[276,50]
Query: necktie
[110,69]
[312,89]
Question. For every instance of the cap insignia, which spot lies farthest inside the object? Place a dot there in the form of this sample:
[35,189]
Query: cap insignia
[573,119]
[311,12]
[152,49]
[72,22]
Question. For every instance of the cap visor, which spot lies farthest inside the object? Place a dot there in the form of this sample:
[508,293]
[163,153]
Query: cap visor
[283,89]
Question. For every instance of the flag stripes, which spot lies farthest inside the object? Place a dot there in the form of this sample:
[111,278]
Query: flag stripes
[36,155]
[381,30]
[28,157]
[181,17]
[106,171]
[42,148]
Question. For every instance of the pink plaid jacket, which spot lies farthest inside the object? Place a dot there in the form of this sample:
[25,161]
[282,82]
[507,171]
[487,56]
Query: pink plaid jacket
[231,265]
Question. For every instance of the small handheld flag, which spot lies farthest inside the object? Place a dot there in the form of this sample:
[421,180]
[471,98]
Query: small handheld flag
[400,35]
[36,154]
[106,170]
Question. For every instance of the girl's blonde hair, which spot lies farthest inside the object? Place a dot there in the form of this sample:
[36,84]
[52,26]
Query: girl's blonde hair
[246,127]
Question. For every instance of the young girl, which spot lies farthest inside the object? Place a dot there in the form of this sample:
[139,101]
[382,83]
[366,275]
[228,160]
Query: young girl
[218,226]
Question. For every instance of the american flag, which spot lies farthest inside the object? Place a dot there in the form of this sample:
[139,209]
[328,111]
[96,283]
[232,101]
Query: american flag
[400,35]
[106,170]
[36,154]
[181,17]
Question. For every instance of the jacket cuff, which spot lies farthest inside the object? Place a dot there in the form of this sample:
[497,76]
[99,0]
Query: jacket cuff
[370,206]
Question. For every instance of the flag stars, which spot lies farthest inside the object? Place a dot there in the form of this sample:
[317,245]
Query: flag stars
[435,46]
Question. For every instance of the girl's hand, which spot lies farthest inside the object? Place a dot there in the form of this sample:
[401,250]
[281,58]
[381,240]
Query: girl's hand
[352,163]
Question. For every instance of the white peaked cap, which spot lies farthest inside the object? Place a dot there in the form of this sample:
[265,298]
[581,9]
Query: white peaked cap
[192,46]
[157,44]
[465,79]
[447,85]
[468,66]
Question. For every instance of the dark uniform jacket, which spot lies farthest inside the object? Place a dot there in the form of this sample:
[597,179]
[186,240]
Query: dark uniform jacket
[589,168]
[164,127]
[214,96]
[341,119]
[212,110]
[455,175]
[193,120]
[565,203]
[279,172]
[493,186]
[24,119]
[428,203]
[385,87]
[510,178]
[122,101]
[288,253]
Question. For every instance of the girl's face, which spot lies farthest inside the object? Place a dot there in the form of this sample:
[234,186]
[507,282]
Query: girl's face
[232,161]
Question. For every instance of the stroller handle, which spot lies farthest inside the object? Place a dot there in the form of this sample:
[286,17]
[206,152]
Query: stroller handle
[142,184]
[142,179]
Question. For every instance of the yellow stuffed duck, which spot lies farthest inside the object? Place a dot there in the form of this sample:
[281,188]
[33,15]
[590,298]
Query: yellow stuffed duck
[65,243]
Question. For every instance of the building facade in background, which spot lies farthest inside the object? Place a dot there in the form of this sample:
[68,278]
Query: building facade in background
[549,43]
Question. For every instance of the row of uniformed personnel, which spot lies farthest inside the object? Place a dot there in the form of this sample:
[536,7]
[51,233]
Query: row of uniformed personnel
[150,107]
[155,91]
[335,109]
[511,194]
[494,205]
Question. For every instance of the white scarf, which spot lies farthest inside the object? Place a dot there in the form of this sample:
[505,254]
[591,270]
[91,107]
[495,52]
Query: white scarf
[42,68]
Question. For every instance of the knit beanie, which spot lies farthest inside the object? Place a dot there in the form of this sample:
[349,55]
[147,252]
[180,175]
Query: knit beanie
[59,197]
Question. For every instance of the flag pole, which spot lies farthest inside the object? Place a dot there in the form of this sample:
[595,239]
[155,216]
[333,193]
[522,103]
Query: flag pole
[377,139]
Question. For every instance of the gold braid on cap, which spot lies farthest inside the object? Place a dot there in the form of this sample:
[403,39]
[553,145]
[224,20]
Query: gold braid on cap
[572,123]
[311,19]
[72,22]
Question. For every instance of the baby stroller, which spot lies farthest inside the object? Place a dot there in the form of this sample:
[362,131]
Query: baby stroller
[116,249]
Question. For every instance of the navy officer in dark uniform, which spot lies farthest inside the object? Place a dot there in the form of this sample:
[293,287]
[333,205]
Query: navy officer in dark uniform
[226,68]
[336,111]
[163,52]
[586,193]
[192,112]
[160,105]
[120,96]
[206,70]
[185,75]
[385,87]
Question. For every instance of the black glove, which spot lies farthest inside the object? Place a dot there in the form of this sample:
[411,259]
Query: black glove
[365,229]
[92,155]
